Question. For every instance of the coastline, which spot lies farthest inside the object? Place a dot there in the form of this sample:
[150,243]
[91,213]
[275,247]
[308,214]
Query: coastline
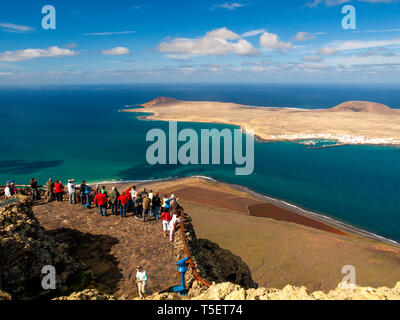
[342,140]
[320,217]
[351,123]
[160,109]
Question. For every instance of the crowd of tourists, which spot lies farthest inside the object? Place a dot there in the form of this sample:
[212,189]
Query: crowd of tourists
[144,205]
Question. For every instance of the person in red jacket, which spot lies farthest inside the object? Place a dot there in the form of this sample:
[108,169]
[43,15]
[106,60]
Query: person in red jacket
[128,198]
[101,201]
[59,190]
[123,200]
[165,218]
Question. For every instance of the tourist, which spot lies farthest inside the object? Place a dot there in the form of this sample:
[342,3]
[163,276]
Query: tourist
[141,278]
[123,200]
[165,218]
[146,207]
[13,189]
[34,187]
[71,191]
[7,191]
[88,190]
[166,201]
[114,200]
[128,199]
[175,207]
[97,190]
[82,189]
[172,226]
[101,202]
[151,195]
[103,190]
[138,206]
[59,190]
[156,204]
[50,190]
[133,193]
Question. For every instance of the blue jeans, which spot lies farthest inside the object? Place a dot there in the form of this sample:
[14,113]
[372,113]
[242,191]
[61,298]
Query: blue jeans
[156,210]
[123,210]
[114,208]
[146,212]
[103,210]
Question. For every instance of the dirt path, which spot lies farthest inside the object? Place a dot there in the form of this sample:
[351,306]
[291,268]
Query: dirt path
[112,246]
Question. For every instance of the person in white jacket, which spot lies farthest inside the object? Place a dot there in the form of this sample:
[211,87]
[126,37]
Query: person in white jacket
[172,226]
[141,278]
[7,191]
[71,191]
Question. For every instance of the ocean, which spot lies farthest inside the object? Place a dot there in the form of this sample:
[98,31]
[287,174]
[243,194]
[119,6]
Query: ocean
[78,132]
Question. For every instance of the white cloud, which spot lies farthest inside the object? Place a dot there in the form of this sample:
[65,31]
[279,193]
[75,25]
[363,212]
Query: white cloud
[327,51]
[5,74]
[117,51]
[303,36]
[271,41]
[216,42]
[331,3]
[108,33]
[354,60]
[10,27]
[229,6]
[355,44]
[378,30]
[253,33]
[222,33]
[28,54]
[312,58]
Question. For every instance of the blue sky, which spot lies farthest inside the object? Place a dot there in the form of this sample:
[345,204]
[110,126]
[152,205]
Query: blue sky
[149,41]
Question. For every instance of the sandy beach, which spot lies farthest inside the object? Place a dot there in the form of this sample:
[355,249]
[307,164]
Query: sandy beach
[280,246]
[352,122]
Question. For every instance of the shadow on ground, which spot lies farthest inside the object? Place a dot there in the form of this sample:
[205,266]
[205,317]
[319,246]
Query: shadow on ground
[95,251]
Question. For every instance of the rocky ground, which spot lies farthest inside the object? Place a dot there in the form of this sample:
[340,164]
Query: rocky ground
[112,246]
[26,247]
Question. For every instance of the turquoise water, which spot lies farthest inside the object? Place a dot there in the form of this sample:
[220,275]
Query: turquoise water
[77,132]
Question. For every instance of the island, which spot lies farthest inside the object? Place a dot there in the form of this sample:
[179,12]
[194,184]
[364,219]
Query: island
[352,122]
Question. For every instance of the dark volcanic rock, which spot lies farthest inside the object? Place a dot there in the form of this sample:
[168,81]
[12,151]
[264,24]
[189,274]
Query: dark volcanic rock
[25,248]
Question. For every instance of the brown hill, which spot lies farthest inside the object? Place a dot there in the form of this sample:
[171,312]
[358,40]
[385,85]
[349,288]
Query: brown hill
[160,101]
[362,106]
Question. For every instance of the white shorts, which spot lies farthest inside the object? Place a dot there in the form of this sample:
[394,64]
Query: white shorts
[165,225]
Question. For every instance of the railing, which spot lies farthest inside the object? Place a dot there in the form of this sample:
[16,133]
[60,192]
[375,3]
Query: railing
[190,261]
